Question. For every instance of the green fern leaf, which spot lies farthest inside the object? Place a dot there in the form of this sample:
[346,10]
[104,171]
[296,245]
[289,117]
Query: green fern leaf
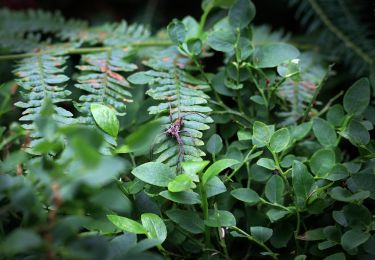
[41,77]
[180,95]
[101,79]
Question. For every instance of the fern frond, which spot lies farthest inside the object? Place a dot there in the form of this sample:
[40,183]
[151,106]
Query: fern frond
[42,77]
[180,95]
[101,79]
[113,34]
[344,30]
[299,93]
[23,30]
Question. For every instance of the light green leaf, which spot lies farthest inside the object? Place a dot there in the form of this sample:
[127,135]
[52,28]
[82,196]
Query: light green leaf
[176,31]
[105,118]
[181,183]
[276,214]
[193,168]
[155,226]
[194,46]
[216,168]
[274,189]
[214,144]
[246,195]
[357,98]
[324,132]
[222,40]
[322,162]
[280,140]
[127,224]
[261,134]
[300,131]
[214,187]
[241,13]
[267,163]
[272,55]
[154,173]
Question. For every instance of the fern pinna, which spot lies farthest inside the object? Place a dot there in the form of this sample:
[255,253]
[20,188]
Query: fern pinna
[41,77]
[181,96]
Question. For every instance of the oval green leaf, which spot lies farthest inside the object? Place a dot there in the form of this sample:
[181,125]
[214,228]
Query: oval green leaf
[105,118]
[154,173]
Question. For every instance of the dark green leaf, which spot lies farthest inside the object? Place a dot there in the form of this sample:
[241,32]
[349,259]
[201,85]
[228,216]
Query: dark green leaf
[246,195]
[353,238]
[302,182]
[322,162]
[183,197]
[357,98]
[214,144]
[274,189]
[324,132]
[241,13]
[261,234]
[188,220]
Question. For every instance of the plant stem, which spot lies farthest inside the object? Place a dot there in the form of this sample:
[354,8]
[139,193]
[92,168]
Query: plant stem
[251,238]
[204,205]
[88,49]
[203,19]
[247,158]
[329,103]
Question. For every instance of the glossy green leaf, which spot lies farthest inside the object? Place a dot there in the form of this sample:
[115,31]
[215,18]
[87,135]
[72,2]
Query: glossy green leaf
[261,134]
[324,132]
[241,13]
[267,163]
[214,187]
[273,54]
[182,182]
[261,234]
[127,224]
[105,118]
[276,214]
[280,140]
[216,168]
[214,144]
[246,195]
[183,197]
[357,133]
[322,162]
[155,226]
[302,182]
[154,173]
[193,168]
[357,98]
[220,218]
[274,189]
[300,131]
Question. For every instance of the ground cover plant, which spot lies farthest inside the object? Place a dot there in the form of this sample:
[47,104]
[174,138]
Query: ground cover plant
[206,140]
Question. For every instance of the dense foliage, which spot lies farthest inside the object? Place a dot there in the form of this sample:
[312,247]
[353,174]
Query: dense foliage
[205,140]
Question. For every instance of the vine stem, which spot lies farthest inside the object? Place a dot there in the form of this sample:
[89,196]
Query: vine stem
[251,238]
[143,44]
